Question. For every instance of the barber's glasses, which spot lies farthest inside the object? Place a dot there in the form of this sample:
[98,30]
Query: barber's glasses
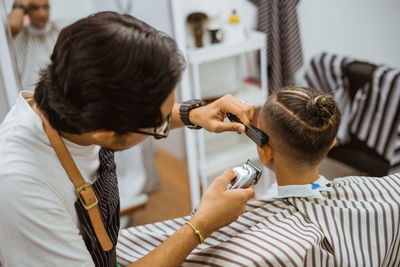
[160,131]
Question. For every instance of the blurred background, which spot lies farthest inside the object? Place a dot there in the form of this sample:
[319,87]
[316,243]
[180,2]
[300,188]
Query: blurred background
[246,48]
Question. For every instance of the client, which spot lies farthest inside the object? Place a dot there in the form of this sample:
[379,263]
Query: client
[306,220]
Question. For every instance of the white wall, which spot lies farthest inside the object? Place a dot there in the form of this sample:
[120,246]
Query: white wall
[363,29]
[70,10]
[157,13]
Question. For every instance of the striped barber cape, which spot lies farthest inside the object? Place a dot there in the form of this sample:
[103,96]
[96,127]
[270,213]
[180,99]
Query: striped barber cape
[356,225]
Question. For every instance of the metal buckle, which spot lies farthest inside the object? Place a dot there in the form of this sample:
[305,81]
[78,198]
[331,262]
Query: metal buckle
[79,189]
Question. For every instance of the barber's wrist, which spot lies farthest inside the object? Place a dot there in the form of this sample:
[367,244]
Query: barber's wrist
[189,118]
[202,225]
[195,116]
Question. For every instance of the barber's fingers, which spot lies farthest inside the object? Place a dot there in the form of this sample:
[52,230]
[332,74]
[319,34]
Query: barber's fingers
[244,194]
[220,126]
[244,111]
[251,110]
[249,192]
[222,181]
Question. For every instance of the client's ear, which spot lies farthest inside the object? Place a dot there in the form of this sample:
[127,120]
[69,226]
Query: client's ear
[333,143]
[265,154]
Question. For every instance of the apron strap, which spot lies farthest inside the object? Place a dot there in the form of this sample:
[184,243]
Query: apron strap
[85,191]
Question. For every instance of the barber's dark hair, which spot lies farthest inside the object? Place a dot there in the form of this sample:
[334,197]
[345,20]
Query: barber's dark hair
[305,120]
[108,71]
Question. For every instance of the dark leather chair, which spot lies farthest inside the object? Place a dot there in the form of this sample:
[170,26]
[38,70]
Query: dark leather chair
[356,153]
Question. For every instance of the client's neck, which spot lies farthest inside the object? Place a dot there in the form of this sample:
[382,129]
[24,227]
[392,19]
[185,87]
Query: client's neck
[287,175]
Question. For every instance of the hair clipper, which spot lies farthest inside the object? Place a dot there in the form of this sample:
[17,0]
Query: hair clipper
[246,175]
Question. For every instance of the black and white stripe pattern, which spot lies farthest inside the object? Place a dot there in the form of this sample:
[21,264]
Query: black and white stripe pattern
[32,53]
[357,225]
[325,73]
[278,19]
[106,189]
[376,114]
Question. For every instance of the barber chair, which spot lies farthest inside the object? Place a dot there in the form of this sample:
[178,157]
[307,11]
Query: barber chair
[356,153]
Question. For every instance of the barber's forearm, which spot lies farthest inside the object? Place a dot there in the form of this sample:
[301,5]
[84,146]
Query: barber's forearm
[176,118]
[16,20]
[173,251]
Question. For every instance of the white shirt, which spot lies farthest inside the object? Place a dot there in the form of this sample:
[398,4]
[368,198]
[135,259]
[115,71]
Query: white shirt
[38,222]
[312,190]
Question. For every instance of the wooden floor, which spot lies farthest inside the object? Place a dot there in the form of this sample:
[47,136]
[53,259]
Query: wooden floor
[173,200]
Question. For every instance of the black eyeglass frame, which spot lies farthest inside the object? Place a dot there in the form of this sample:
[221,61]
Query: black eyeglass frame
[161,131]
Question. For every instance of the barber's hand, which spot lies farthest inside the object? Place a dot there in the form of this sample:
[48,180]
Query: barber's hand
[219,206]
[211,117]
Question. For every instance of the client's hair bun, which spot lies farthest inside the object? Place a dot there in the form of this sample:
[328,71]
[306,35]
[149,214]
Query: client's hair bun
[322,108]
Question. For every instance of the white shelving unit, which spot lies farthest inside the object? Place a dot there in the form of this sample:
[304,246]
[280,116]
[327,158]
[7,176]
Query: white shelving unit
[228,149]
[209,154]
[255,41]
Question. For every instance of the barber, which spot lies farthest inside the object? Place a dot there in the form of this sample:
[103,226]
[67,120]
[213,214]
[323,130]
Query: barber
[110,84]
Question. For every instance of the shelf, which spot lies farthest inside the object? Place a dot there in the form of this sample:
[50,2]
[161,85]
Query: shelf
[255,41]
[242,91]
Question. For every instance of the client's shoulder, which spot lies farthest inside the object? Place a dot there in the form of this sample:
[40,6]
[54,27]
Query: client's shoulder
[369,183]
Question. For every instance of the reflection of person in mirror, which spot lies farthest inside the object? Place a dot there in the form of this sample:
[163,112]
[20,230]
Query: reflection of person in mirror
[33,42]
